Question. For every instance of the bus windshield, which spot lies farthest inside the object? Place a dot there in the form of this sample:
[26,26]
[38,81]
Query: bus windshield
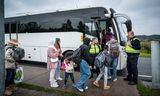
[121,22]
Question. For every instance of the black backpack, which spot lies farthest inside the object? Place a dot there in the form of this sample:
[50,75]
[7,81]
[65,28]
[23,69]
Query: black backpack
[76,57]
[18,53]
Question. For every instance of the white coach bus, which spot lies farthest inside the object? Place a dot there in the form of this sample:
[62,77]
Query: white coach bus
[35,31]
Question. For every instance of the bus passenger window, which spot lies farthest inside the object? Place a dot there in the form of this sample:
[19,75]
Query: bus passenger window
[90,29]
[6,28]
[13,28]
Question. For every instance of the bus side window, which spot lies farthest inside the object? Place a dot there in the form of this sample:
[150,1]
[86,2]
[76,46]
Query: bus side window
[10,28]
[6,28]
[13,28]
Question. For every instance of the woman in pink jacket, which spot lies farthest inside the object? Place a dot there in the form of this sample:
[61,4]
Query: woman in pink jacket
[52,60]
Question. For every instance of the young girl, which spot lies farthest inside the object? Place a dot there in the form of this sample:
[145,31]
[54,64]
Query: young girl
[52,60]
[69,70]
[104,69]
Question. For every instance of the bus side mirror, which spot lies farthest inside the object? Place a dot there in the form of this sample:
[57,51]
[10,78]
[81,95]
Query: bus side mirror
[128,25]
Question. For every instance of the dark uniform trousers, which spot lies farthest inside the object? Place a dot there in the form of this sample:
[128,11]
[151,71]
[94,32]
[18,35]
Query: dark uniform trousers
[132,61]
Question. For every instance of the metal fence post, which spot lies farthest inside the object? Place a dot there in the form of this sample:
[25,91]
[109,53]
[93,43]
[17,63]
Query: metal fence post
[2,69]
[155,47]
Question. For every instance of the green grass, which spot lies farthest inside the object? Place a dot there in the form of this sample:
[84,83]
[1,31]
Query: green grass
[48,90]
[146,91]
[145,55]
[145,49]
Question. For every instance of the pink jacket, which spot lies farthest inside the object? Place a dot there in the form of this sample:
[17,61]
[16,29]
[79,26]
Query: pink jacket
[51,53]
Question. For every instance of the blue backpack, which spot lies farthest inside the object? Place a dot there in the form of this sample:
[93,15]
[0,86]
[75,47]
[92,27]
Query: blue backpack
[102,59]
[99,60]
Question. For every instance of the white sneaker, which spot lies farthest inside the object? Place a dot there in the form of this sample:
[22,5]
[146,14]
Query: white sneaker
[109,77]
[86,88]
[114,80]
[81,90]
[54,85]
[59,78]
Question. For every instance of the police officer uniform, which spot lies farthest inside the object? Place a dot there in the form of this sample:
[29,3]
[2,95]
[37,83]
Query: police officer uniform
[94,51]
[132,59]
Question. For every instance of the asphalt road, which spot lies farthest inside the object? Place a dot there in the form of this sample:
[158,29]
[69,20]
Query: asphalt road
[144,66]
[144,69]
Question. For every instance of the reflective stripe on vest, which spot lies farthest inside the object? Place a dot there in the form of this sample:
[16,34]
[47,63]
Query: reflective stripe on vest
[129,49]
[94,49]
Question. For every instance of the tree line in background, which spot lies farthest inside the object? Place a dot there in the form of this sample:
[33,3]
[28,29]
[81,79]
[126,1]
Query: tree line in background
[34,27]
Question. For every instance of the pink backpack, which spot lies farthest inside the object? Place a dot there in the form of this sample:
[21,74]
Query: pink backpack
[63,67]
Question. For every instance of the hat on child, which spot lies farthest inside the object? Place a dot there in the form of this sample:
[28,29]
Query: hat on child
[13,41]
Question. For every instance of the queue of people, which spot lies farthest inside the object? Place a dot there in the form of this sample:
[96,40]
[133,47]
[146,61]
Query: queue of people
[89,54]
[111,49]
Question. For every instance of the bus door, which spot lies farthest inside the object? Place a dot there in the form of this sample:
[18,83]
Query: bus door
[105,25]
[95,22]
[11,28]
[124,25]
[119,31]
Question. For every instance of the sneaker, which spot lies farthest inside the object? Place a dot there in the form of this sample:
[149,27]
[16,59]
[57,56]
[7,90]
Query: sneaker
[96,84]
[81,90]
[86,88]
[59,78]
[8,92]
[54,85]
[109,77]
[12,87]
[114,80]
[106,87]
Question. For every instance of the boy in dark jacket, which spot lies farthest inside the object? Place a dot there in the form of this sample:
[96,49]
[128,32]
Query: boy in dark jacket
[84,66]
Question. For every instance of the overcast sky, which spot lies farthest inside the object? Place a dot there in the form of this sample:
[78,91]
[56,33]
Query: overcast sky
[145,14]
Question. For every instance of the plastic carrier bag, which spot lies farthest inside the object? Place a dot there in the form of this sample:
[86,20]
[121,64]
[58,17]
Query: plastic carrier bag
[19,75]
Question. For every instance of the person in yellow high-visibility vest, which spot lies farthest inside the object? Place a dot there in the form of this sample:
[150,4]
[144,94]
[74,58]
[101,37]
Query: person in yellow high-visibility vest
[132,49]
[94,50]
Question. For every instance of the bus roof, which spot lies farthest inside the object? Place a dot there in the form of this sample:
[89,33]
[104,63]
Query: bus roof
[77,13]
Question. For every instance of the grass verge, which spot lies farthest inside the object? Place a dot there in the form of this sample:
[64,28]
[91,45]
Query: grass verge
[146,91]
[48,90]
[145,55]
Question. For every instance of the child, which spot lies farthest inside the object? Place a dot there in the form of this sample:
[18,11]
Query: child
[69,70]
[105,61]
[52,60]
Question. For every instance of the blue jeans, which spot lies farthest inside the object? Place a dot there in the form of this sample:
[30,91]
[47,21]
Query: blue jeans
[114,66]
[85,74]
[58,69]
[9,77]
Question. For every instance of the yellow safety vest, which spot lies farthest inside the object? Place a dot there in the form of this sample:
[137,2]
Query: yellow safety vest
[94,49]
[129,49]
